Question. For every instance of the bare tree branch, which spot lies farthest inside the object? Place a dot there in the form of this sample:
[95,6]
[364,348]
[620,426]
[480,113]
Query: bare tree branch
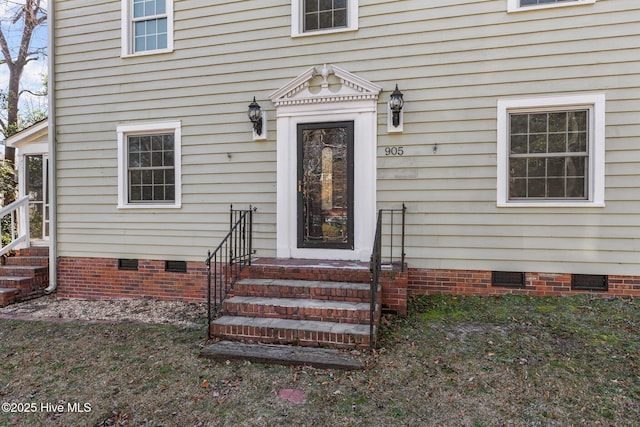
[30,15]
[32,92]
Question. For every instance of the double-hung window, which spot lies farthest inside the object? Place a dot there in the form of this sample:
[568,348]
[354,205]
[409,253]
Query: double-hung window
[522,5]
[149,165]
[551,151]
[147,26]
[321,16]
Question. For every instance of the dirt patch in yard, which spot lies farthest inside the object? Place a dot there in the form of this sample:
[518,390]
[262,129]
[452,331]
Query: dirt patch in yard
[138,310]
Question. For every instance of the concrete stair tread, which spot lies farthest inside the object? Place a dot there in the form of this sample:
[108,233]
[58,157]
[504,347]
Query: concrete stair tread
[6,290]
[306,283]
[14,278]
[34,268]
[282,355]
[302,303]
[310,263]
[306,325]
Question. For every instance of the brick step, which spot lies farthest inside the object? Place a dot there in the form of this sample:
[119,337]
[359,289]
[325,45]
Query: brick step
[29,281]
[298,309]
[303,289]
[23,270]
[15,282]
[7,296]
[285,331]
[303,269]
[33,251]
[41,261]
[33,287]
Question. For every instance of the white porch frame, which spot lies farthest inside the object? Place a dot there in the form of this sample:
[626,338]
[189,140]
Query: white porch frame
[30,142]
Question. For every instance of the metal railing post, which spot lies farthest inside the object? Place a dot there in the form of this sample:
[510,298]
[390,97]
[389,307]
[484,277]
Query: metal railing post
[225,263]
[375,262]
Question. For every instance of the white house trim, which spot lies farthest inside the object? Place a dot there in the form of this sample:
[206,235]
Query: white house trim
[297,27]
[126,30]
[514,5]
[596,103]
[138,128]
[27,135]
[326,94]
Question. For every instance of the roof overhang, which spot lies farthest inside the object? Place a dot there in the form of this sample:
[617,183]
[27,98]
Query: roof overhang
[28,135]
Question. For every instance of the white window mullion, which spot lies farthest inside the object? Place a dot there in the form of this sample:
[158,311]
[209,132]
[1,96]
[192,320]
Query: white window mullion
[298,17]
[594,155]
[128,30]
[124,184]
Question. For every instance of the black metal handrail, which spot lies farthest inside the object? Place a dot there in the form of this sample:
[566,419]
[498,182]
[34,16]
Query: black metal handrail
[225,263]
[376,261]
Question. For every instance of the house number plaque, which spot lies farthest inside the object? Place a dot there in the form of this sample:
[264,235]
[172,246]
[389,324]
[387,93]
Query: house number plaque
[394,151]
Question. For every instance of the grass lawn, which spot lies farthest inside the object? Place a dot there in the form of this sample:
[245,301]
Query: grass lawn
[454,361]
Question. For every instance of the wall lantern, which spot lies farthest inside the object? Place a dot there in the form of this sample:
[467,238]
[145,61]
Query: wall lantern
[395,116]
[259,120]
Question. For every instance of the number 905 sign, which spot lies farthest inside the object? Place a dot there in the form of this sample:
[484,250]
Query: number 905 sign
[394,151]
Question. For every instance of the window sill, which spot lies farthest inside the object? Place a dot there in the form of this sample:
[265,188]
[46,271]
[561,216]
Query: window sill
[147,53]
[514,8]
[323,32]
[558,204]
[150,206]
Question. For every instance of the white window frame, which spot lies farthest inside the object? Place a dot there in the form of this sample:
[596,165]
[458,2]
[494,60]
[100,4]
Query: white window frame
[595,103]
[145,129]
[514,5]
[297,20]
[127,32]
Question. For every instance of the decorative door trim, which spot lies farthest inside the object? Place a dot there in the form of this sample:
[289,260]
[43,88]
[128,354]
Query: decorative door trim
[326,94]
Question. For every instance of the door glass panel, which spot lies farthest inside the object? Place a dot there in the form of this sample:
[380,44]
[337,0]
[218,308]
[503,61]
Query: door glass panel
[36,190]
[325,195]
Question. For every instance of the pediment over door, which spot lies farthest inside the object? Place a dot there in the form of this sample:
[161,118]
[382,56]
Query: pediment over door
[325,84]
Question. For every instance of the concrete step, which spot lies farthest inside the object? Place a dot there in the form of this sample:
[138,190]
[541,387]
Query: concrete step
[285,331]
[282,354]
[303,289]
[298,309]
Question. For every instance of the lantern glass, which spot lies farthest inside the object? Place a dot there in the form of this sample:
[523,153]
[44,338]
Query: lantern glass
[396,102]
[254,112]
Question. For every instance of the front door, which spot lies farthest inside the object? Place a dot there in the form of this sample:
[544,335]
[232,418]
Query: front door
[325,185]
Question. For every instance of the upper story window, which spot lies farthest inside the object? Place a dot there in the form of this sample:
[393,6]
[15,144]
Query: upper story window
[551,151]
[322,16]
[147,26]
[521,5]
[149,167]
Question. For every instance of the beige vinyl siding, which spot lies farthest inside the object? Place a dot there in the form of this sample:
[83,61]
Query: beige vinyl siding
[456,224]
[452,60]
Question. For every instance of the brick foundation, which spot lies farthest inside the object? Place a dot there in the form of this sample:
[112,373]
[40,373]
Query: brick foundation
[100,278]
[394,291]
[475,282]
